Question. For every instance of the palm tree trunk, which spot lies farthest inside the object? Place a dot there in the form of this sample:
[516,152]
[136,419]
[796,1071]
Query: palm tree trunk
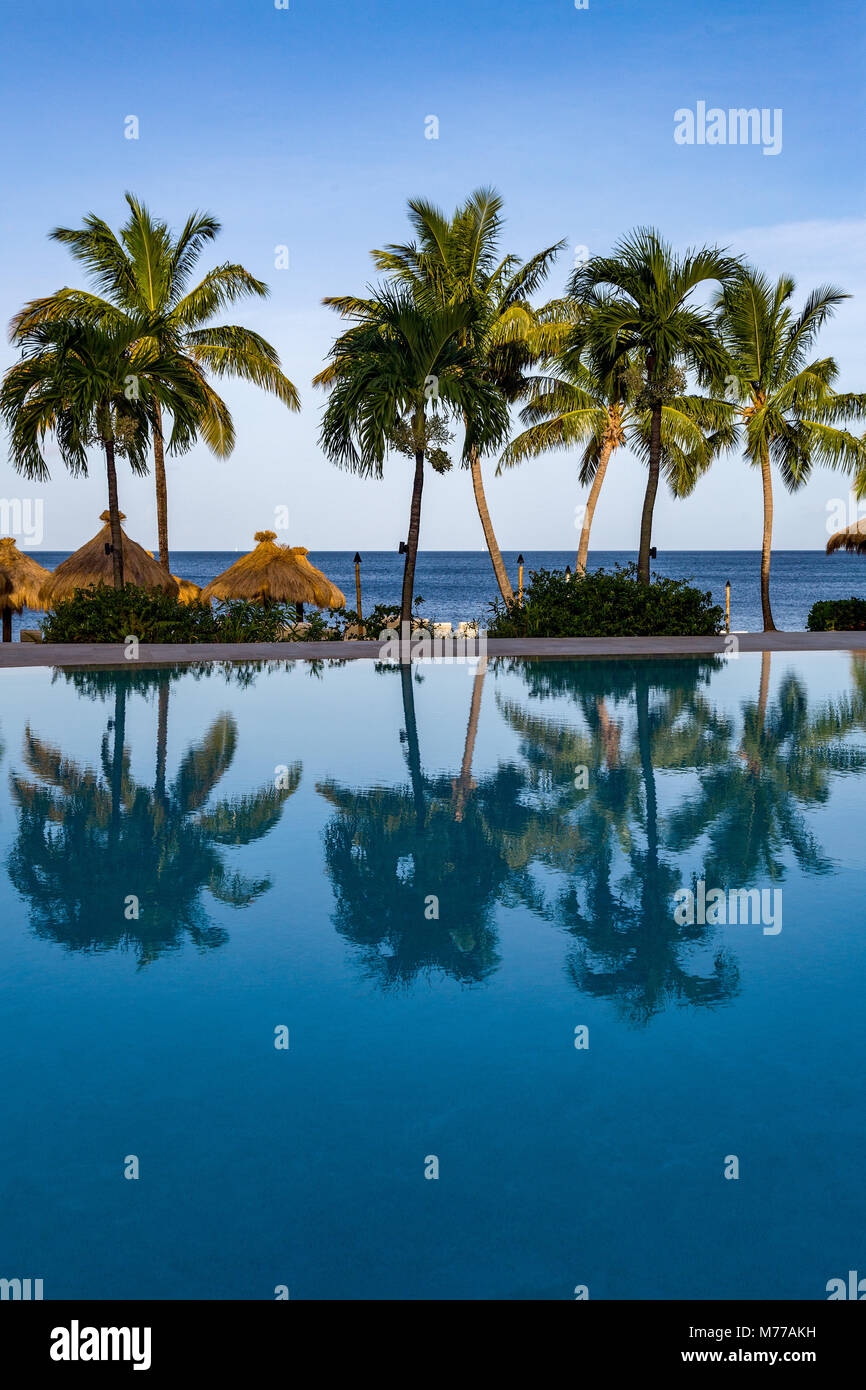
[161,490]
[412,542]
[767,547]
[583,548]
[114,514]
[649,501]
[499,569]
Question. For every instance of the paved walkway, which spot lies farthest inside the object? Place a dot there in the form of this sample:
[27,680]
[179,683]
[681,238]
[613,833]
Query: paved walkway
[17,654]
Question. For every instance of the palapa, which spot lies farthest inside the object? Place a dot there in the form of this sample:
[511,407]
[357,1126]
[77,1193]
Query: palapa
[187,592]
[853,538]
[275,574]
[21,580]
[92,565]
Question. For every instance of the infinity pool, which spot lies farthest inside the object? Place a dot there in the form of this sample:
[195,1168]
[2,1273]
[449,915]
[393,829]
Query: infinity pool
[377,979]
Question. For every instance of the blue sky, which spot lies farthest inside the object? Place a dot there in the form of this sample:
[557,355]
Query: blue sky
[306,128]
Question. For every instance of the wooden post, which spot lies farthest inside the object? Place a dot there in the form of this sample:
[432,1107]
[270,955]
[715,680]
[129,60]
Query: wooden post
[728,606]
[358,584]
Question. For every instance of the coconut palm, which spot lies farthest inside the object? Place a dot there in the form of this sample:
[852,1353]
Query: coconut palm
[572,407]
[784,403]
[88,384]
[144,277]
[406,361]
[459,259]
[640,303]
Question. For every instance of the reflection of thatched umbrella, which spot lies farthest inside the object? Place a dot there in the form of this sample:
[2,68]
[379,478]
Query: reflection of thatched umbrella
[275,574]
[92,565]
[852,538]
[21,579]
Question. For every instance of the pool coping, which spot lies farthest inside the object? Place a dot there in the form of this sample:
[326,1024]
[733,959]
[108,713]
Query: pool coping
[17,654]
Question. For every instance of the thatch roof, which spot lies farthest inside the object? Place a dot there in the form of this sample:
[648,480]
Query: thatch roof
[277,574]
[187,592]
[91,565]
[852,538]
[25,577]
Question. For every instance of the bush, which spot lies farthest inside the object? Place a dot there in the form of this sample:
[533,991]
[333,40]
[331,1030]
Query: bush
[103,614]
[606,604]
[837,615]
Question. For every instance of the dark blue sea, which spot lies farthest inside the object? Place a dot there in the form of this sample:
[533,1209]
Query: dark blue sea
[459,585]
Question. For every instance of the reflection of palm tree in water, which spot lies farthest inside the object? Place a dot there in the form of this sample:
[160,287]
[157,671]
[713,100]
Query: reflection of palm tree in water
[751,806]
[91,842]
[630,949]
[389,851]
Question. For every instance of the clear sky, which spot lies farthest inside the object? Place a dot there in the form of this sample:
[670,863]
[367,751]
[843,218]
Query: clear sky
[305,127]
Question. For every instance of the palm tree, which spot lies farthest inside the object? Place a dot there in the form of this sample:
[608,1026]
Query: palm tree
[144,276]
[87,384]
[640,303]
[786,407]
[573,407]
[405,355]
[459,260]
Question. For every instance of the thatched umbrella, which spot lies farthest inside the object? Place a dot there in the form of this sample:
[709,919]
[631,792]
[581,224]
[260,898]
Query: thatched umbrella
[853,538]
[187,592]
[92,565]
[275,574]
[21,580]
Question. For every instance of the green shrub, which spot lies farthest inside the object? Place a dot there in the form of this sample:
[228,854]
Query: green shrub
[103,614]
[837,615]
[606,604]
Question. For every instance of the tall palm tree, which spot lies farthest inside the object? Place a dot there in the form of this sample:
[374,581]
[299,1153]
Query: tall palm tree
[406,362]
[89,384]
[640,300]
[787,409]
[459,259]
[573,407]
[144,276]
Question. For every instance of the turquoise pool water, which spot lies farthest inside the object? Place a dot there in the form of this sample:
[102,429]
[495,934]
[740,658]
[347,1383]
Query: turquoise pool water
[191,862]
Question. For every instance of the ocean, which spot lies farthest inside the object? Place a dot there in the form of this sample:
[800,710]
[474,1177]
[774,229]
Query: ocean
[458,585]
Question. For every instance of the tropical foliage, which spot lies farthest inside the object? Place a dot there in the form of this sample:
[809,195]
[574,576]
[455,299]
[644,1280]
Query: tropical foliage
[145,292]
[606,604]
[786,409]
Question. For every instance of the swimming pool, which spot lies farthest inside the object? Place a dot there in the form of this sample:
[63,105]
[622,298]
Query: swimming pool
[384,980]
